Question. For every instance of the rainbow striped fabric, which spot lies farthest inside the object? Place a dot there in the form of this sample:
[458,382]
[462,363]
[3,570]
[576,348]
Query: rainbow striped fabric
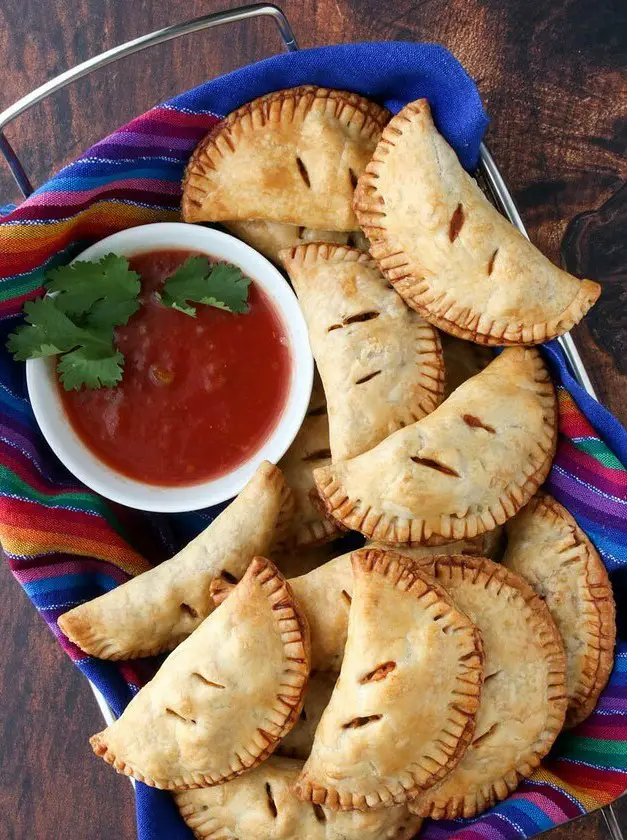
[65,544]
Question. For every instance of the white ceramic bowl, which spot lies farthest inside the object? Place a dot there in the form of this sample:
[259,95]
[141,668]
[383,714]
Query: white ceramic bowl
[81,461]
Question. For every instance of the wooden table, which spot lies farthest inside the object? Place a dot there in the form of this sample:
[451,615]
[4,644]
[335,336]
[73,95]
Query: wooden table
[550,75]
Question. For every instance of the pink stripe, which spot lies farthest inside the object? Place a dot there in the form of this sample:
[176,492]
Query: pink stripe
[67,198]
[545,804]
[78,567]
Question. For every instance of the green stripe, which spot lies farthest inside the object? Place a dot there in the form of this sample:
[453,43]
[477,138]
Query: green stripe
[85,502]
[594,751]
[598,450]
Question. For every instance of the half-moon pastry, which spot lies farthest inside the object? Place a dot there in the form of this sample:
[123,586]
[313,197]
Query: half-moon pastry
[523,700]
[380,363]
[551,552]
[403,709]
[449,253]
[291,156]
[155,611]
[461,470]
[222,701]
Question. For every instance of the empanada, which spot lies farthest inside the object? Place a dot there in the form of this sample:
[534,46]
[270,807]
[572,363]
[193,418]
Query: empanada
[158,609]
[461,470]
[271,237]
[224,698]
[299,740]
[403,709]
[449,253]
[381,364]
[292,156]
[551,552]
[309,526]
[324,595]
[261,806]
[524,693]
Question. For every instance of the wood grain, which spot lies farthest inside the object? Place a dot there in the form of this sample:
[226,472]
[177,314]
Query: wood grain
[551,76]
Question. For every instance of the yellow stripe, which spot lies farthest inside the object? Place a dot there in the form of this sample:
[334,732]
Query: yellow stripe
[28,542]
[583,795]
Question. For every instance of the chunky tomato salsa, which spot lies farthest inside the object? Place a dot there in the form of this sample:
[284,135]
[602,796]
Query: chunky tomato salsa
[199,395]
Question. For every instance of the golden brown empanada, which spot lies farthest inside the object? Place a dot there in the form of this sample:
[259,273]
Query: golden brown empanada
[222,701]
[381,364]
[260,805]
[158,609]
[309,526]
[462,359]
[299,740]
[324,595]
[523,700]
[551,552]
[449,253]
[403,709]
[461,470]
[292,156]
[271,237]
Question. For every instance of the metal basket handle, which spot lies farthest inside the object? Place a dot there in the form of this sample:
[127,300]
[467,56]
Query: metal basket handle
[160,36]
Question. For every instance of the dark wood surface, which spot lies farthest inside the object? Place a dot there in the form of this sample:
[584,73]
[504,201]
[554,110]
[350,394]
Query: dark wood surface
[552,76]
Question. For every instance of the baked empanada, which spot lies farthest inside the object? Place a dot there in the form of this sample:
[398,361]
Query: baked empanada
[381,364]
[403,709]
[461,470]
[324,595]
[292,156]
[271,237]
[523,700]
[261,806]
[449,253]
[155,611]
[462,359]
[310,448]
[551,552]
[224,698]
[299,740]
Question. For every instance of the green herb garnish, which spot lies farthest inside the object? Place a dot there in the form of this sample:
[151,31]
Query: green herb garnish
[88,300]
[221,285]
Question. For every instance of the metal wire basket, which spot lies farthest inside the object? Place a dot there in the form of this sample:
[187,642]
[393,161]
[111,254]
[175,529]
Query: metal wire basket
[488,173]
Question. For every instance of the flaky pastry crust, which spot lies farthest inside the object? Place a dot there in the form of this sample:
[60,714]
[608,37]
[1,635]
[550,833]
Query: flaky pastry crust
[291,156]
[449,253]
[381,364]
[460,471]
[199,722]
[403,709]
[551,552]
[523,701]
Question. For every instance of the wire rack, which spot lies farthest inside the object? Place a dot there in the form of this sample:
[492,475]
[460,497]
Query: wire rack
[487,170]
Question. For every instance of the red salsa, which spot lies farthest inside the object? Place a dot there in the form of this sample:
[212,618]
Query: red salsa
[199,395]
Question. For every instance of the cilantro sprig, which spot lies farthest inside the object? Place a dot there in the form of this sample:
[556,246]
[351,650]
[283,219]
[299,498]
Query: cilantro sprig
[221,285]
[87,300]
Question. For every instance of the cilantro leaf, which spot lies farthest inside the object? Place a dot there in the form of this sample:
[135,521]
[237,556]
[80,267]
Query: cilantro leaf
[48,331]
[222,285]
[107,313]
[84,284]
[91,367]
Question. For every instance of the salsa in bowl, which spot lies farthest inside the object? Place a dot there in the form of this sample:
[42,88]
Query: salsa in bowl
[202,400]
